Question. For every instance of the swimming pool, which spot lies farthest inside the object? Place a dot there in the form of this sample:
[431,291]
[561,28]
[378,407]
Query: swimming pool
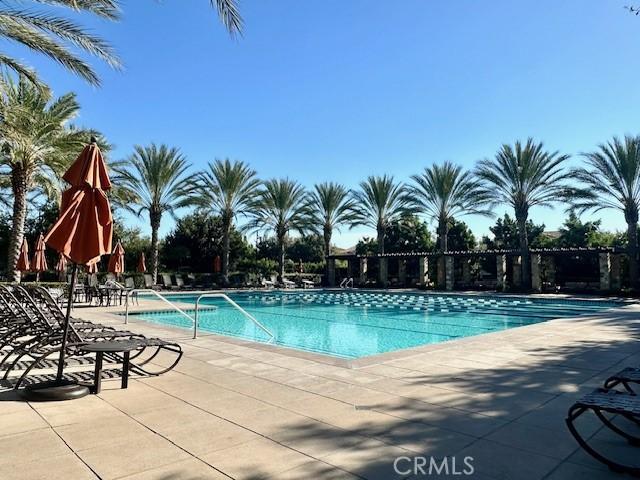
[354,324]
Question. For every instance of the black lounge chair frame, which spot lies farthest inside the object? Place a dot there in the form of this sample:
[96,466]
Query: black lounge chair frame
[35,334]
[604,401]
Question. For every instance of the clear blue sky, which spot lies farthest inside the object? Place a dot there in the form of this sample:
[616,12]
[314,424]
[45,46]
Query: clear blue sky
[340,89]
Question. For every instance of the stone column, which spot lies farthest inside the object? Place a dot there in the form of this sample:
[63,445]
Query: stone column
[402,271]
[349,268]
[449,272]
[604,260]
[363,270]
[517,271]
[441,275]
[466,271]
[331,272]
[536,272]
[501,272]
[423,271]
[615,282]
[383,271]
[550,269]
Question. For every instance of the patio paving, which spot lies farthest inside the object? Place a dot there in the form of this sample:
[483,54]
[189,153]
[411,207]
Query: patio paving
[235,410]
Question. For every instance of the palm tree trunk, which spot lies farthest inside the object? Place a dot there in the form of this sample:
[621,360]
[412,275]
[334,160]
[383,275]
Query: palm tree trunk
[226,242]
[154,219]
[327,249]
[281,245]
[632,252]
[380,240]
[524,252]
[20,188]
[443,239]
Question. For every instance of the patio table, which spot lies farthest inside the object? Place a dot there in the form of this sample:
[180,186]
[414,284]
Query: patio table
[100,348]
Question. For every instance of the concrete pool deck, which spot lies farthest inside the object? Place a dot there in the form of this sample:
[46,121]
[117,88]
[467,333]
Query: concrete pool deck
[235,410]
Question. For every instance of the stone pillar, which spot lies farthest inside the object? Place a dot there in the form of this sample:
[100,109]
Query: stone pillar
[363,270]
[383,271]
[449,272]
[501,272]
[517,271]
[402,271]
[423,271]
[536,272]
[441,275]
[331,272]
[466,271]
[604,260]
[550,269]
[615,282]
[349,268]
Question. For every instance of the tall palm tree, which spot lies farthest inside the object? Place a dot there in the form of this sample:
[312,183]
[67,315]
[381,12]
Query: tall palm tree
[37,144]
[332,206]
[227,189]
[611,180]
[379,202]
[281,206]
[524,176]
[155,180]
[54,36]
[444,192]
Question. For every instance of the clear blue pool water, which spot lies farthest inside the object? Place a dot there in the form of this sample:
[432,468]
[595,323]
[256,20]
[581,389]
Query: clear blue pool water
[355,324]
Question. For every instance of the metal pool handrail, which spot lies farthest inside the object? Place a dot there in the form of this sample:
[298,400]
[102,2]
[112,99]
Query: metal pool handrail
[236,306]
[173,305]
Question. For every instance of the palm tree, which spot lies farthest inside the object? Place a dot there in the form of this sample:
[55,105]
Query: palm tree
[154,179]
[227,189]
[36,146]
[282,206]
[54,36]
[444,192]
[332,206]
[524,176]
[379,202]
[611,180]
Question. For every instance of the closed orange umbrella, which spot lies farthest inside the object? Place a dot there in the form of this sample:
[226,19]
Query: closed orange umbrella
[116,261]
[142,266]
[83,233]
[84,229]
[39,261]
[23,258]
[217,264]
[91,267]
[61,266]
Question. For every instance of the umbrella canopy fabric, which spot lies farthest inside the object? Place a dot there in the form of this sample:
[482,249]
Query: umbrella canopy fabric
[61,266]
[142,266]
[116,261]
[83,231]
[217,266]
[23,258]
[39,261]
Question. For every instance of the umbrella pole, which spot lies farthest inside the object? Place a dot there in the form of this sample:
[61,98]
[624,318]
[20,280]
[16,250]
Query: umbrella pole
[67,320]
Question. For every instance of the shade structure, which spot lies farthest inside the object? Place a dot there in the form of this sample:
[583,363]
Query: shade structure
[142,265]
[82,233]
[217,264]
[39,261]
[116,261]
[61,266]
[23,258]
